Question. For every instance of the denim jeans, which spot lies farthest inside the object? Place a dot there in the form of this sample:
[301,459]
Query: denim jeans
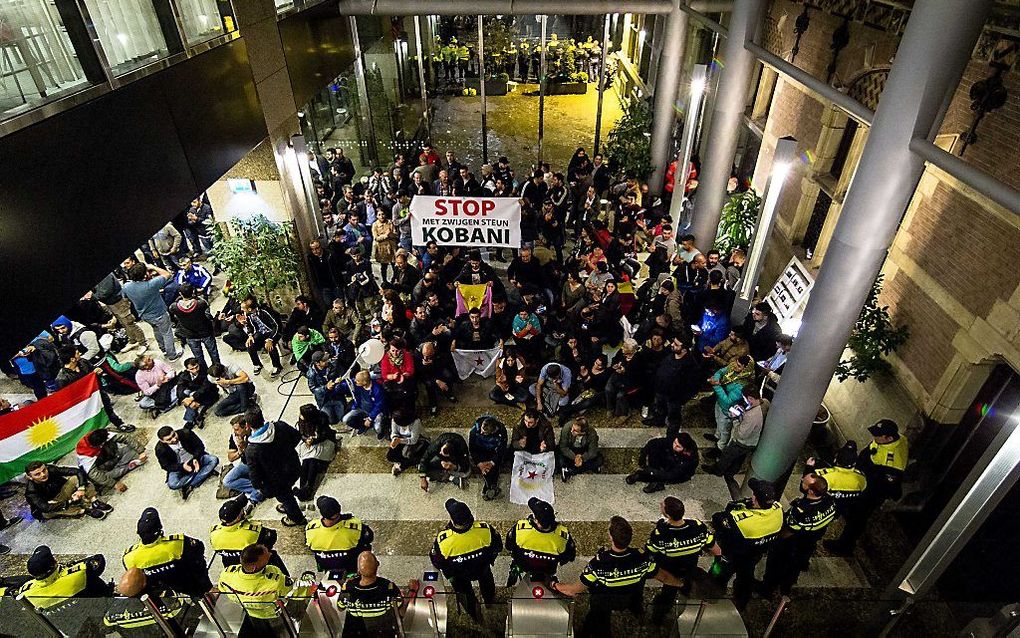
[199,243]
[356,420]
[239,479]
[335,410]
[723,427]
[210,345]
[177,480]
[163,330]
[235,402]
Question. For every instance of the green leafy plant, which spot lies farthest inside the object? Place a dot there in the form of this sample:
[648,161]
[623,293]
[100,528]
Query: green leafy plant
[736,224]
[874,337]
[258,256]
[629,145]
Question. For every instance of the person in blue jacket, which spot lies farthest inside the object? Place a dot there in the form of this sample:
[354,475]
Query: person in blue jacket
[728,385]
[487,445]
[368,410]
[713,327]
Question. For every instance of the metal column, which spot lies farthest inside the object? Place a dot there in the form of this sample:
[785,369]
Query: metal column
[924,74]
[541,93]
[727,121]
[481,90]
[359,76]
[421,77]
[699,78]
[601,79]
[667,86]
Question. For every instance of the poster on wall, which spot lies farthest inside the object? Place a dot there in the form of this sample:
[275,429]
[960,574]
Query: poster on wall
[480,222]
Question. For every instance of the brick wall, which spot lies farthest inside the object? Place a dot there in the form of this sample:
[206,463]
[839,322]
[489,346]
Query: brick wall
[971,253]
[927,352]
[794,113]
[997,149]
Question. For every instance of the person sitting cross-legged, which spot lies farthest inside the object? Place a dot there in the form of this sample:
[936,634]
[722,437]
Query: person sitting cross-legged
[158,383]
[578,449]
[196,391]
[107,456]
[238,387]
[368,409]
[182,456]
[445,460]
[53,491]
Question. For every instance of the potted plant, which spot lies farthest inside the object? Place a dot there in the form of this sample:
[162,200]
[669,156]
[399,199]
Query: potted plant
[628,145]
[736,224]
[873,338]
[259,259]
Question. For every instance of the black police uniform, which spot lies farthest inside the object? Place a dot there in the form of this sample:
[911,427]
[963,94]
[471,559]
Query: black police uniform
[538,552]
[71,595]
[883,466]
[230,540]
[336,547]
[370,608]
[465,556]
[616,580]
[744,534]
[175,562]
[130,616]
[806,522]
[676,549]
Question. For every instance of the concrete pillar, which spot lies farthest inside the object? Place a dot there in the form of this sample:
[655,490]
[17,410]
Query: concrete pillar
[256,20]
[727,120]
[667,85]
[926,71]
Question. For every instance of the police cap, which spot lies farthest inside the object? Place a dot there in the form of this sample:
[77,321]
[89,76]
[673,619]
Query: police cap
[544,514]
[328,506]
[41,563]
[231,510]
[764,491]
[885,427]
[460,513]
[149,526]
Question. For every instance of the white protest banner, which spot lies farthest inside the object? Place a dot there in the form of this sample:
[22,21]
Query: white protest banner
[480,362]
[532,476]
[466,221]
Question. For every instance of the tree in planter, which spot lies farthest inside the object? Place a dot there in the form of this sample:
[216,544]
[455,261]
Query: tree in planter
[737,222]
[873,338]
[257,256]
[629,145]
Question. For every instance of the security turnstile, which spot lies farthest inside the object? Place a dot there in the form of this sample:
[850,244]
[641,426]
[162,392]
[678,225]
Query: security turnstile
[537,611]
[708,618]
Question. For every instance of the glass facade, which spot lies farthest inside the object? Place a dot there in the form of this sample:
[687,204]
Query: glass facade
[129,32]
[50,49]
[37,61]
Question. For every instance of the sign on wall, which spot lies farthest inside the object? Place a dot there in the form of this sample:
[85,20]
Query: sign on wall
[791,290]
[466,221]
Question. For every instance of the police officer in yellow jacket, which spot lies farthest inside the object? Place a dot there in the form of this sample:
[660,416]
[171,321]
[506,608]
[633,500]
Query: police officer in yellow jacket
[236,531]
[846,483]
[175,562]
[256,585]
[130,617]
[883,463]
[372,602]
[336,539]
[539,544]
[745,530]
[65,593]
[465,552]
[675,543]
[805,523]
[616,579]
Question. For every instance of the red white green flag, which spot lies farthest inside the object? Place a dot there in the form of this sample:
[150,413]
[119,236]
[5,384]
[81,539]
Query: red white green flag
[47,430]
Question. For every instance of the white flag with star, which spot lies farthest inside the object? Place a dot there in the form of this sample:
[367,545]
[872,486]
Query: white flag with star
[532,476]
[480,362]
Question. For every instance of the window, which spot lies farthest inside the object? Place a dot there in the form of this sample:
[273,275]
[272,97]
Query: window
[37,61]
[843,150]
[815,224]
[200,18]
[129,31]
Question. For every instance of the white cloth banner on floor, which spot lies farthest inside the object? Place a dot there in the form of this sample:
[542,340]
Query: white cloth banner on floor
[480,362]
[532,476]
[480,222]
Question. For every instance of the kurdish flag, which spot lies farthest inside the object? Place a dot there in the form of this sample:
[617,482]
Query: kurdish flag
[49,429]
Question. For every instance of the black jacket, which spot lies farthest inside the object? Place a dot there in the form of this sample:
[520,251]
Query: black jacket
[39,495]
[168,458]
[432,460]
[272,458]
[763,343]
[658,455]
[194,321]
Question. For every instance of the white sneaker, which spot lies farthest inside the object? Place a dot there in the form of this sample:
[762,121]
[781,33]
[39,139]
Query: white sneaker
[644,412]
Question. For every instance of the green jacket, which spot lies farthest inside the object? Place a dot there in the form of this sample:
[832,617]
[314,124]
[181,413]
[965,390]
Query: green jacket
[300,348]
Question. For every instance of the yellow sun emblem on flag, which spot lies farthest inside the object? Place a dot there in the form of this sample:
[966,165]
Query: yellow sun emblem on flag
[43,433]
